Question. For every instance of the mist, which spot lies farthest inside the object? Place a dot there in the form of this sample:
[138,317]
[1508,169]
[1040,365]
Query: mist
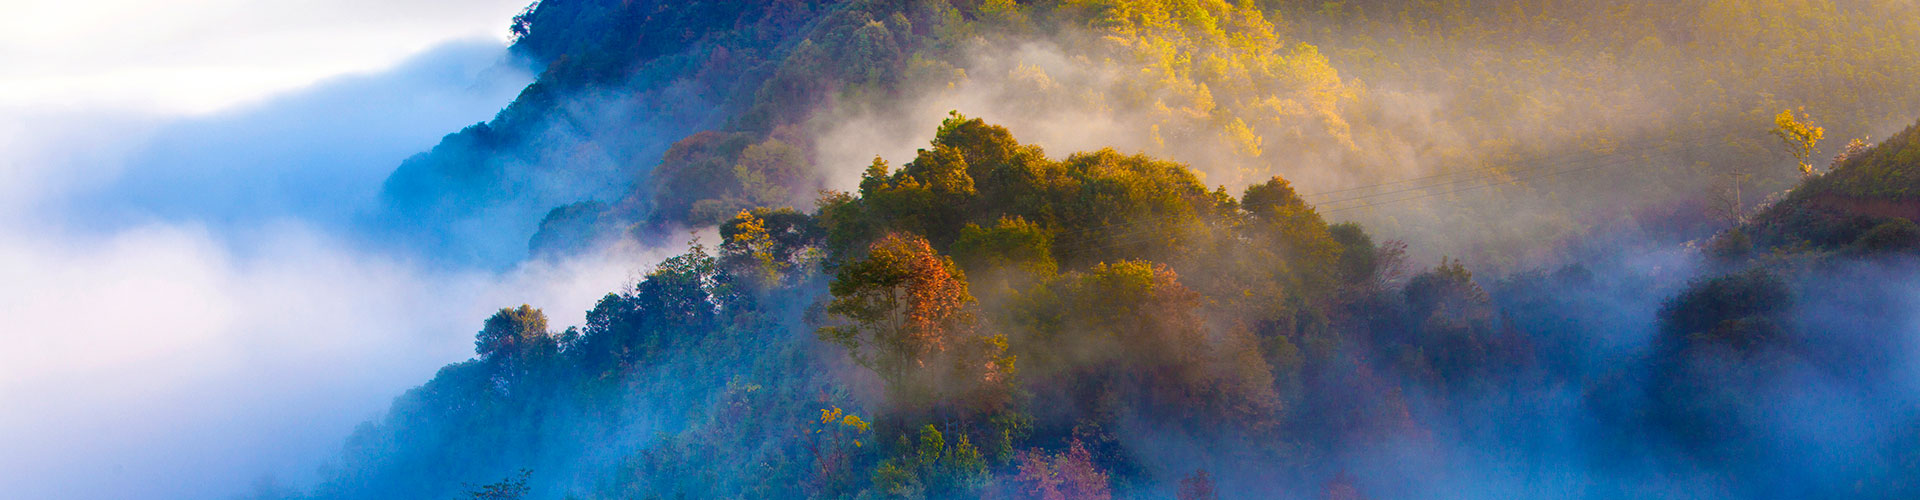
[1482,164]
[1087,250]
[195,311]
[317,154]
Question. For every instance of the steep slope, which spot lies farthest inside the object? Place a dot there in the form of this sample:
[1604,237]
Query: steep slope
[621,82]
[1867,202]
[770,100]
[989,320]
[981,311]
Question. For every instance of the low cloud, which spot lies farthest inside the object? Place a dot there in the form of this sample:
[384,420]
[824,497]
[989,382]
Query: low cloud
[159,362]
[190,312]
[198,56]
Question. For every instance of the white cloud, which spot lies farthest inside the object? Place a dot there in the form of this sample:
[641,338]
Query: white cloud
[197,56]
[158,362]
[174,357]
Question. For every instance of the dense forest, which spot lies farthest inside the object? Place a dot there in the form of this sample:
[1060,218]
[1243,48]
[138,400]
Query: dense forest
[1330,250]
[650,116]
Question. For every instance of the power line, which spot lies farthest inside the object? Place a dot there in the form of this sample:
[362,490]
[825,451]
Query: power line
[1488,173]
[1517,180]
[1536,164]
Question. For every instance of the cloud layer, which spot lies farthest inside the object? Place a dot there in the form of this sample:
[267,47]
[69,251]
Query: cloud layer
[189,313]
[204,55]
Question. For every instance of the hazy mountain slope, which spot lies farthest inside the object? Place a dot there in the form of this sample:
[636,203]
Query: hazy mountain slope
[1867,202]
[621,81]
[990,320]
[1539,113]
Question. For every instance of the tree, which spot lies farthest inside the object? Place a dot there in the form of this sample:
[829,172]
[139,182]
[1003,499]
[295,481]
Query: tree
[1070,475]
[1131,335]
[931,464]
[1197,486]
[1895,235]
[522,23]
[512,339]
[1724,342]
[930,195]
[767,245]
[1309,249]
[771,172]
[684,291]
[911,320]
[702,168]
[1798,137]
[905,301]
[1457,335]
[512,488]
[568,229]
[675,304]
[1853,149]
[1012,243]
[1744,312]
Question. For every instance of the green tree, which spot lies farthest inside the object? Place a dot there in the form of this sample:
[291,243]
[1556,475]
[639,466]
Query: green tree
[1011,243]
[1305,244]
[768,245]
[931,464]
[676,303]
[514,341]
[772,172]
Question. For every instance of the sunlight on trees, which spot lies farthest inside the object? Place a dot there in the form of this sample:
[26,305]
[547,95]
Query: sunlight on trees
[1798,138]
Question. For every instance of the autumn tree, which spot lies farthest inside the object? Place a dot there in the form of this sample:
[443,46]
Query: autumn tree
[1798,138]
[1197,486]
[910,319]
[837,434]
[771,172]
[1853,149]
[1069,475]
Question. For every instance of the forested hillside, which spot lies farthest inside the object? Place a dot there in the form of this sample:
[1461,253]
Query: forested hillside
[1866,203]
[989,320]
[1339,250]
[664,114]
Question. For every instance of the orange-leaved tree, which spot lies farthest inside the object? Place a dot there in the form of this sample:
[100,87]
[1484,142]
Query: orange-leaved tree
[910,318]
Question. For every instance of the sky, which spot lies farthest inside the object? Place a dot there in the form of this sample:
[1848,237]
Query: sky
[185,314]
[198,56]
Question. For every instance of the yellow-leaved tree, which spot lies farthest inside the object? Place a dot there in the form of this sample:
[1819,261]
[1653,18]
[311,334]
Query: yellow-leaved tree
[1798,137]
